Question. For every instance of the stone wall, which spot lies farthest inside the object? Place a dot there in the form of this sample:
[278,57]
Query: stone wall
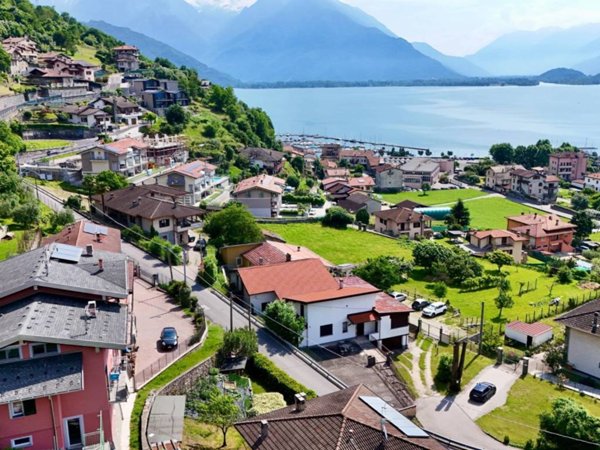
[185,382]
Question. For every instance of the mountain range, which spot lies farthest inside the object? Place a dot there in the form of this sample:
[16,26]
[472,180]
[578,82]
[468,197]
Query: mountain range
[321,40]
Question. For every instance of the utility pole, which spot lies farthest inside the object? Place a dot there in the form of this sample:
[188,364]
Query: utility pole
[230,312]
[184,252]
[481,329]
[249,314]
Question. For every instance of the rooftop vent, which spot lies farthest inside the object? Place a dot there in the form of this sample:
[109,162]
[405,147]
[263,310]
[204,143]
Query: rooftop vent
[264,429]
[288,257]
[300,401]
[90,310]
[89,250]
[261,261]
[100,265]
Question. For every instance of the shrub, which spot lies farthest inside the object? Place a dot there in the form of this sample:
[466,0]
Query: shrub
[267,402]
[73,202]
[564,275]
[337,217]
[444,370]
[309,199]
[274,379]
[506,440]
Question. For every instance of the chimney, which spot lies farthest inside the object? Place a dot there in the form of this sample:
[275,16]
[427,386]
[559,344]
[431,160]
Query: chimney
[90,309]
[557,222]
[100,265]
[98,237]
[288,257]
[264,429]
[595,325]
[341,281]
[89,250]
[535,215]
[298,248]
[261,261]
[300,401]
[384,429]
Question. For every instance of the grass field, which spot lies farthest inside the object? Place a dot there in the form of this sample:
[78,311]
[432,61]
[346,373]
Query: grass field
[434,197]
[519,417]
[44,144]
[491,213]
[9,247]
[198,435]
[340,246]
[87,53]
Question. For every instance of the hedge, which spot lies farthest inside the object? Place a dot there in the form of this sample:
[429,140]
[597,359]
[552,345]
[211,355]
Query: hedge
[274,379]
[313,200]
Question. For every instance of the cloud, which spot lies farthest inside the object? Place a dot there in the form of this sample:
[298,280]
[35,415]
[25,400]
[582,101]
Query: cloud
[235,5]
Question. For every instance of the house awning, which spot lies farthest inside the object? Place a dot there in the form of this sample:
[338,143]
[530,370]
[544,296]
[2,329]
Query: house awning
[368,316]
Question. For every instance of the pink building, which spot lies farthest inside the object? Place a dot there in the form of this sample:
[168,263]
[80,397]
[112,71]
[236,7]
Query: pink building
[64,321]
[568,165]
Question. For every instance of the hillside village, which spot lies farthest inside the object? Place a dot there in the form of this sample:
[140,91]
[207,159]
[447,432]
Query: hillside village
[173,275]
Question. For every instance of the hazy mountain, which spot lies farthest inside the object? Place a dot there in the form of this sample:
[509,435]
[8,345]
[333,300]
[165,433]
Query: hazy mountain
[315,40]
[534,52]
[153,48]
[563,75]
[456,63]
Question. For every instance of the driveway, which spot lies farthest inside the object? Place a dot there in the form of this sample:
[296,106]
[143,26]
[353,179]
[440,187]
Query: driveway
[153,311]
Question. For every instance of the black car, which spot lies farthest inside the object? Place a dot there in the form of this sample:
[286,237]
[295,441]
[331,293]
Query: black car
[168,338]
[200,245]
[420,304]
[482,392]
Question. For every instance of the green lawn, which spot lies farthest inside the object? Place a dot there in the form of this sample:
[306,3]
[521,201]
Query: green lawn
[519,417]
[9,247]
[491,213]
[87,53]
[198,435]
[44,144]
[340,246]
[474,364]
[434,197]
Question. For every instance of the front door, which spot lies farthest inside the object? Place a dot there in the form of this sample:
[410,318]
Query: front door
[74,432]
[360,329]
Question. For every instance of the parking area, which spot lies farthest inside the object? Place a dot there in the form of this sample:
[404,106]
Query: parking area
[153,311]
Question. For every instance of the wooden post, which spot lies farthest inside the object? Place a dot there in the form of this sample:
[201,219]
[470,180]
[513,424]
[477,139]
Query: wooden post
[479,351]
[461,365]
[455,359]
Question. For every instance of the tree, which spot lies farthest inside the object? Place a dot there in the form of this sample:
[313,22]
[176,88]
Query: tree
[62,218]
[504,299]
[568,418]
[73,202]
[221,411]
[281,318]
[362,216]
[176,116]
[233,225]
[584,224]
[580,202]
[500,258]
[298,164]
[293,181]
[425,253]
[240,342]
[107,181]
[459,215]
[337,217]
[440,290]
[555,356]
[564,275]
[502,153]
[27,214]
[4,61]
[384,271]
[425,187]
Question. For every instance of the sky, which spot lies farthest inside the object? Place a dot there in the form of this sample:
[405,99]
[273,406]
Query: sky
[461,27]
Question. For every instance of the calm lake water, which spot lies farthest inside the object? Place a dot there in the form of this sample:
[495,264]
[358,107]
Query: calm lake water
[466,120]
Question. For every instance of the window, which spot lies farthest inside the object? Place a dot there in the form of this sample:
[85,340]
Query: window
[21,442]
[10,353]
[22,409]
[344,327]
[326,330]
[163,223]
[43,349]
[398,321]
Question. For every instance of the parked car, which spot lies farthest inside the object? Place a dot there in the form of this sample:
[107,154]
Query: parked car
[420,304]
[398,296]
[435,309]
[482,392]
[168,338]
[200,245]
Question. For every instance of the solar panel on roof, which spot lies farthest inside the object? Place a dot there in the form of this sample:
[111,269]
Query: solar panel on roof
[66,252]
[394,417]
[92,228]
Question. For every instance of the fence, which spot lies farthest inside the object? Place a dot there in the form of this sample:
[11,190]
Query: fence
[440,333]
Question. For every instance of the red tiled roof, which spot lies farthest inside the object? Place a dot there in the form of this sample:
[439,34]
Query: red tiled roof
[385,304]
[365,180]
[498,234]
[332,180]
[552,179]
[538,225]
[265,254]
[195,169]
[264,182]
[530,329]
[331,173]
[331,294]
[298,252]
[401,215]
[595,176]
[368,316]
[75,235]
[123,145]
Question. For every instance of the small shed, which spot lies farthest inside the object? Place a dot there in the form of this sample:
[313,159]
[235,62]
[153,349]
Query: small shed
[530,334]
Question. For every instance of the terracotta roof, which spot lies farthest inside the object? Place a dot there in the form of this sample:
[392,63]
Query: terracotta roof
[125,47]
[384,167]
[328,164]
[337,187]
[365,180]
[297,252]
[78,235]
[265,254]
[568,155]
[331,173]
[552,179]
[498,234]
[121,146]
[582,317]
[332,180]
[263,182]
[368,316]
[595,176]
[331,294]
[538,225]
[288,279]
[401,215]
[354,281]
[386,304]
[506,168]
[337,421]
[195,169]
[530,329]
[409,204]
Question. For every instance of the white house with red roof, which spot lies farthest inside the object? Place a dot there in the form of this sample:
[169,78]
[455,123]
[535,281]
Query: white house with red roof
[262,195]
[126,156]
[334,308]
[483,242]
[197,178]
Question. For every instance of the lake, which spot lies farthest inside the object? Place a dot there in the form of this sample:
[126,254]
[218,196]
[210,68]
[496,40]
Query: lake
[466,120]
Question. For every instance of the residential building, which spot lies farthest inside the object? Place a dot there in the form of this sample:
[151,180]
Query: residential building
[582,338]
[123,110]
[338,172]
[409,204]
[50,78]
[331,152]
[267,159]
[197,178]
[484,242]
[83,233]
[360,200]
[418,171]
[388,177]
[334,308]
[158,95]
[349,419]
[366,158]
[535,184]
[64,324]
[166,150]
[154,208]
[87,116]
[23,54]
[262,195]
[339,190]
[63,64]
[126,156]
[403,222]
[530,334]
[139,85]
[127,58]
[498,178]
[328,164]
[362,183]
[265,253]
[592,181]
[568,165]
[548,234]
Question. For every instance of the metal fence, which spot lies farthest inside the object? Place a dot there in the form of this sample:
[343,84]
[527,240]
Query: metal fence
[438,332]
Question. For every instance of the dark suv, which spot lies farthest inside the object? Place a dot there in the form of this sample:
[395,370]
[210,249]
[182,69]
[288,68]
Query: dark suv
[482,392]
[168,338]
[420,304]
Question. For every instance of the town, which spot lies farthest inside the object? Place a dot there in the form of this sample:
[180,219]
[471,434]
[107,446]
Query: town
[174,275]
